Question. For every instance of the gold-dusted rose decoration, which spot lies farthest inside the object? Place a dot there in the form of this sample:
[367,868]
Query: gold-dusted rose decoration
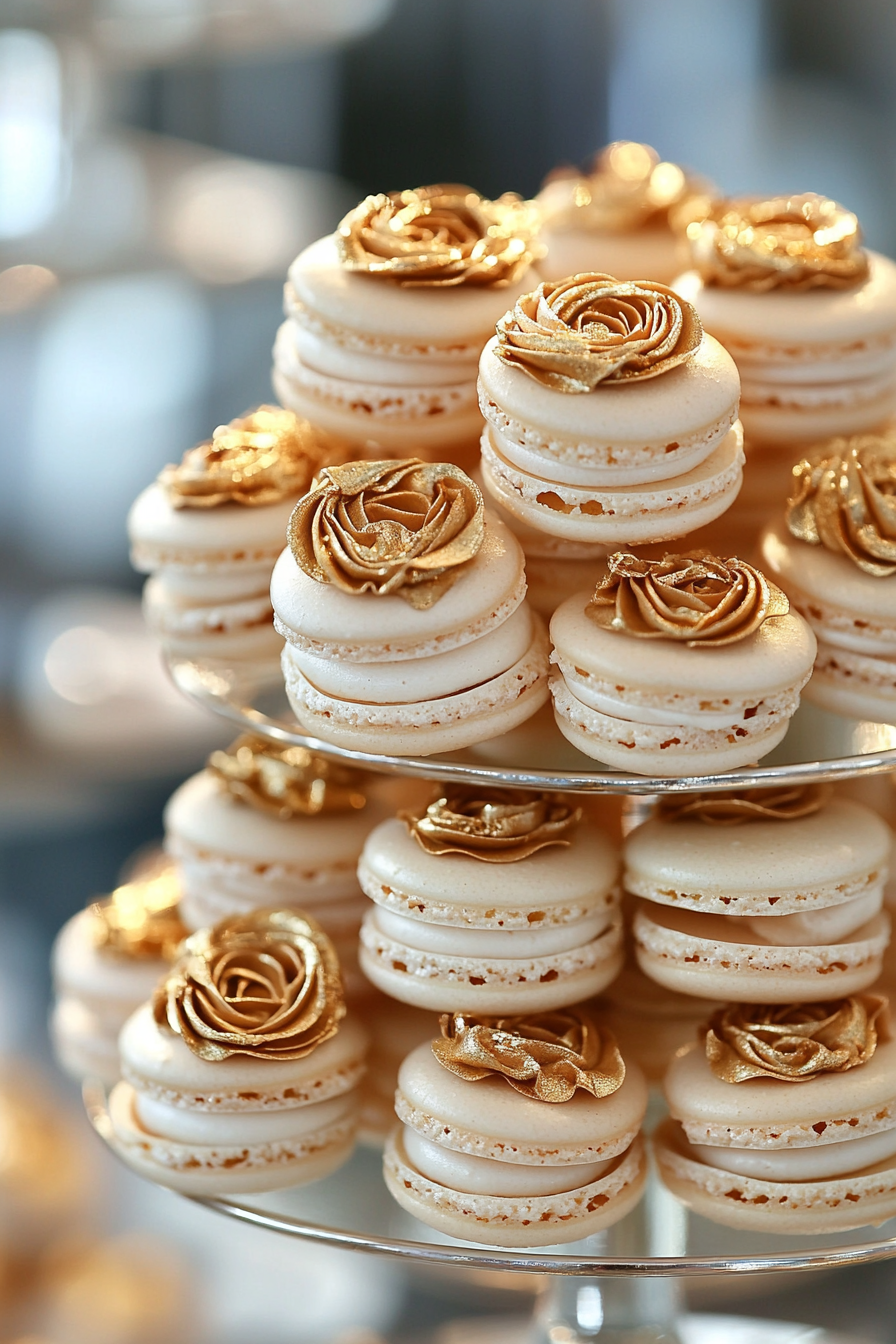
[794,1042]
[261,458]
[785,802]
[546,1057]
[627,187]
[845,500]
[592,329]
[399,527]
[493,825]
[784,242]
[139,920]
[265,984]
[287,781]
[694,598]
[440,235]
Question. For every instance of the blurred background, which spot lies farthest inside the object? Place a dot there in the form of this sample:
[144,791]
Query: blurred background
[161,162]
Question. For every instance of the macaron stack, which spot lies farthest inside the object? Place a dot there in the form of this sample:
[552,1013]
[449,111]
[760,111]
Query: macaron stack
[386,318]
[520,1131]
[242,1073]
[490,901]
[402,604]
[761,896]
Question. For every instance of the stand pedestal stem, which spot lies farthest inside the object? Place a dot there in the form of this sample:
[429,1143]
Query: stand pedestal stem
[608,1311]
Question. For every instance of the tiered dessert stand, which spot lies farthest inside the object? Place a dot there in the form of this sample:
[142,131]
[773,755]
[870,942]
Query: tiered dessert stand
[625,1285]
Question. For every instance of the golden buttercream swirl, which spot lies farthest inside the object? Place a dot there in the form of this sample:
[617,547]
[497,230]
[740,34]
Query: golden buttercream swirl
[287,781]
[139,920]
[785,802]
[261,458]
[627,187]
[265,985]
[404,527]
[591,329]
[845,500]
[794,1042]
[546,1057]
[440,235]
[493,825]
[784,242]
[694,598]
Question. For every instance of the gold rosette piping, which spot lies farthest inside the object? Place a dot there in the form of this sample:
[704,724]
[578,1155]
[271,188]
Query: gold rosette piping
[794,1042]
[398,527]
[845,500]
[287,781]
[139,920]
[261,458]
[592,329]
[785,242]
[265,985]
[439,236]
[545,1057]
[493,825]
[694,598]
[786,802]
[628,187]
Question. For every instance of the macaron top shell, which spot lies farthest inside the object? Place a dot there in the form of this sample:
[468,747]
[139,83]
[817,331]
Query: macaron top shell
[430,315]
[831,578]
[161,534]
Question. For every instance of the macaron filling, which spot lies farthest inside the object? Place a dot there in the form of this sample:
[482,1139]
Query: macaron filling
[484,1175]
[801,1164]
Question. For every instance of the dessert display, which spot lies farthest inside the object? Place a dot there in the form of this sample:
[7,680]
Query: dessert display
[683,666]
[106,961]
[762,896]
[241,1075]
[386,318]
[611,417]
[618,216]
[835,556]
[490,901]
[402,605]
[784,1117]
[209,530]
[808,314]
[519,1131]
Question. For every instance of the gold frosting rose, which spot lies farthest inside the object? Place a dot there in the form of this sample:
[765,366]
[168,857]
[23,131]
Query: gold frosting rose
[592,329]
[287,781]
[260,458]
[546,1057]
[265,985]
[786,802]
[404,527]
[845,500]
[694,598]
[785,242]
[440,235]
[627,187]
[140,919]
[493,825]
[794,1042]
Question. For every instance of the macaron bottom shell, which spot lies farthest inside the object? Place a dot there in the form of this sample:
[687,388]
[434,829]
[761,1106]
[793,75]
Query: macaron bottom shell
[855,685]
[800,426]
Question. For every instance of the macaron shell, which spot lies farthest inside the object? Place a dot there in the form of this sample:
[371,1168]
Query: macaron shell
[635,255]
[83,1045]
[801,426]
[814,572]
[230,534]
[81,969]
[856,687]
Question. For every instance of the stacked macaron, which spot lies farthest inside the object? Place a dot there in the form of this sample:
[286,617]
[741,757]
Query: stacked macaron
[490,901]
[784,1118]
[835,556]
[394,1029]
[210,529]
[402,604]
[386,318]
[610,417]
[764,896]
[808,314]
[106,961]
[521,1131]
[242,1074]
[649,1021]
[683,666]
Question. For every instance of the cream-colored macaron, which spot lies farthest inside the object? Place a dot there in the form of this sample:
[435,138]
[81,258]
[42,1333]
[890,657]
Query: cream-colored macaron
[774,1152]
[479,1160]
[394,1030]
[649,1021]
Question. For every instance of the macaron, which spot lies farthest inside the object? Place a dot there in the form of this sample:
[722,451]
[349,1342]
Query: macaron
[808,315]
[385,319]
[491,901]
[784,1119]
[649,1021]
[766,895]
[242,1075]
[610,416]
[394,1029]
[402,604]
[518,1131]
[646,682]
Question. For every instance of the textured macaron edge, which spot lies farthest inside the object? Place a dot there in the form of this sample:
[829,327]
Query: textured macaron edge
[730,901]
[331,1084]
